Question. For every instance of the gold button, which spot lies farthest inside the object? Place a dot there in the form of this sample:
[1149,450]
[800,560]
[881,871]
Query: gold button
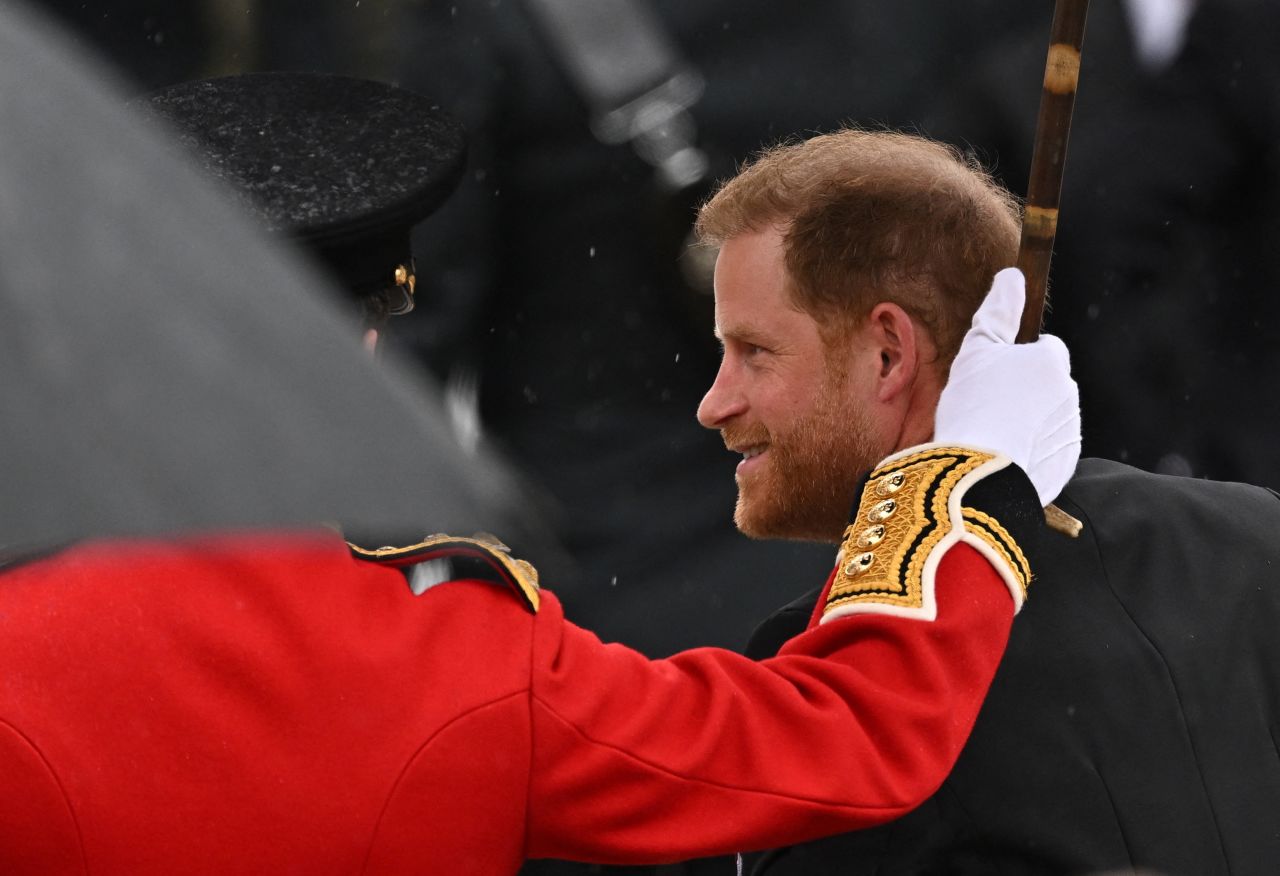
[858,564]
[883,511]
[871,537]
[890,484]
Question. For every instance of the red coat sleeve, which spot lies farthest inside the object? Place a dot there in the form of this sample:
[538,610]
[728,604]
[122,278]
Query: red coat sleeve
[854,723]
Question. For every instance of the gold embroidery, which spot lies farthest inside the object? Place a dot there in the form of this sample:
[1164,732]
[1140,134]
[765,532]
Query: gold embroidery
[903,530]
[995,536]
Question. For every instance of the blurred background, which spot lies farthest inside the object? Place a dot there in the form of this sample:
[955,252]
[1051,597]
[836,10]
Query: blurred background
[571,325]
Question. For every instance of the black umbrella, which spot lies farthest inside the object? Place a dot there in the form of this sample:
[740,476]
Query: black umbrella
[163,366]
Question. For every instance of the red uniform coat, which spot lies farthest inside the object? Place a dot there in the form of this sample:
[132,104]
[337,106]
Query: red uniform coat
[275,705]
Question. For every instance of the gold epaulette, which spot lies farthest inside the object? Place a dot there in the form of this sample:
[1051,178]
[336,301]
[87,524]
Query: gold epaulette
[450,557]
[910,513]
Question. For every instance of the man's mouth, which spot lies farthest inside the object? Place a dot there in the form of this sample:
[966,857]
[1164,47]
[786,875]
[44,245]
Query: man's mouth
[749,455]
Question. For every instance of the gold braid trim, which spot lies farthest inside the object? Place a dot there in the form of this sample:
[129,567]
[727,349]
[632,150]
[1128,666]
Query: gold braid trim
[908,516]
[519,573]
[982,525]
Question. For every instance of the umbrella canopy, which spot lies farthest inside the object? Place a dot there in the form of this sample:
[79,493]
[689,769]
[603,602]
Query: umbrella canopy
[163,366]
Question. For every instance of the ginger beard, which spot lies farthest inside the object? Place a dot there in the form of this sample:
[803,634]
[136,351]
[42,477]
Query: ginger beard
[806,487]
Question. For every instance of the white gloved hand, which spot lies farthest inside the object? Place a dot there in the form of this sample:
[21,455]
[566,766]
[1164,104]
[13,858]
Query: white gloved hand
[1018,399]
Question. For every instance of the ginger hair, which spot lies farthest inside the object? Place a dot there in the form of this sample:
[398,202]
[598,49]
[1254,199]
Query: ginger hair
[872,216]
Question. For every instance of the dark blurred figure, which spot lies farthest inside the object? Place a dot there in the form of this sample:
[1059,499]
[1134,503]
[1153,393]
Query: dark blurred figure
[156,44]
[558,301]
[1164,276]
[152,43]
[1211,179]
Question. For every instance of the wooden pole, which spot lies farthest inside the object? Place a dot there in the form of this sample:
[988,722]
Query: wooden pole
[1048,158]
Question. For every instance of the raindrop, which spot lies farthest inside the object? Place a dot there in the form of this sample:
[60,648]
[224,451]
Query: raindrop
[613,582]
[677,357]
[591,253]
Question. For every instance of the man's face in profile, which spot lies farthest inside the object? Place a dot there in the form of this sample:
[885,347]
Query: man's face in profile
[783,399]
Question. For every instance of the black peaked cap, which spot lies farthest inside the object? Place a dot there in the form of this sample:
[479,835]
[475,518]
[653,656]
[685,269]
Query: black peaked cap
[344,166]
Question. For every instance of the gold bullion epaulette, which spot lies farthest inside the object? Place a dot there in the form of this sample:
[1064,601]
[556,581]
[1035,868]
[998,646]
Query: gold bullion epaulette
[914,507]
[439,558]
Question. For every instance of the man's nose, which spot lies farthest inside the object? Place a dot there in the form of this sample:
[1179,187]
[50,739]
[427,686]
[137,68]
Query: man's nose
[723,400]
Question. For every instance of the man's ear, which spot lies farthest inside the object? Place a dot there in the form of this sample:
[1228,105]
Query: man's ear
[897,339]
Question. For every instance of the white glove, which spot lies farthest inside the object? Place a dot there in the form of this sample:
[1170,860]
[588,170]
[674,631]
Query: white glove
[1018,399]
